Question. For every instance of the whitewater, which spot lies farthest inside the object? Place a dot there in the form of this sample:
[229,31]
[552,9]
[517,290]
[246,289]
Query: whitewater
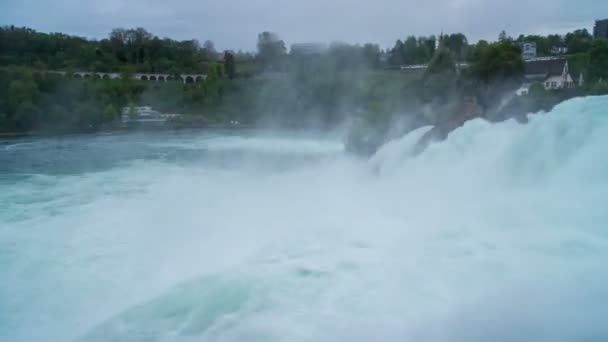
[499,233]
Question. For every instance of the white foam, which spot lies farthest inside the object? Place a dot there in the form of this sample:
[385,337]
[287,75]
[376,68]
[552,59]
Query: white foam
[496,234]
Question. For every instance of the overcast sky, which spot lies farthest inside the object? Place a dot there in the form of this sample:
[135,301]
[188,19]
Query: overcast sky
[234,24]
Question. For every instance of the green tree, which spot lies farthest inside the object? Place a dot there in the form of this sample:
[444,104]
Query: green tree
[457,43]
[396,54]
[58,117]
[498,62]
[271,51]
[371,55]
[442,62]
[110,113]
[229,65]
[503,36]
[21,91]
[579,41]
[598,61]
[26,115]
[410,50]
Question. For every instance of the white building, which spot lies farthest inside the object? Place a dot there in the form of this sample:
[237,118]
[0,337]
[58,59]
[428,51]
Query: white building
[552,73]
[145,114]
[528,51]
[560,49]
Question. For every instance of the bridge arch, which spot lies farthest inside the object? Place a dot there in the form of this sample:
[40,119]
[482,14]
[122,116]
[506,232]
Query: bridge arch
[106,77]
[161,78]
[143,78]
[152,78]
[189,79]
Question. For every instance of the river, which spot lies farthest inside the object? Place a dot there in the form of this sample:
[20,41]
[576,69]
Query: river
[499,233]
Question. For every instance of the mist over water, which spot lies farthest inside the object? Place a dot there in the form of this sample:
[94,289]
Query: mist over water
[496,234]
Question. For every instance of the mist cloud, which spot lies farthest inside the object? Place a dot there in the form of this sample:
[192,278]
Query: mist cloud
[235,24]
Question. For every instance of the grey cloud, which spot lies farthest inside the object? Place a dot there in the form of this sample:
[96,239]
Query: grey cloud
[235,24]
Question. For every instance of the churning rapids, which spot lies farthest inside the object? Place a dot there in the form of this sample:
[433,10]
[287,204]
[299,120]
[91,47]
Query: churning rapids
[499,233]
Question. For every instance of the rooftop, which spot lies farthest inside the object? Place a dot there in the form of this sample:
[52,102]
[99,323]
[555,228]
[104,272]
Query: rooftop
[552,66]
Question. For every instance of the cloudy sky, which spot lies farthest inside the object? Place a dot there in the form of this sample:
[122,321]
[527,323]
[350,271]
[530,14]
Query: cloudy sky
[234,24]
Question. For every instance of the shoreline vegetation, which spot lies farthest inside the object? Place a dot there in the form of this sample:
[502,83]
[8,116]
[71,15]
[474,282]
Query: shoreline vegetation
[439,81]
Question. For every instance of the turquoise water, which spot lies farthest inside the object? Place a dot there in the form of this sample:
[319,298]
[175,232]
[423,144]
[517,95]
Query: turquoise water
[499,233]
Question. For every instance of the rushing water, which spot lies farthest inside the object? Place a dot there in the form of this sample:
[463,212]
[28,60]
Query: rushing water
[499,233]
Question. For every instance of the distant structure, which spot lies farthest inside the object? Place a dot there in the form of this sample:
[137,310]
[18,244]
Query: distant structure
[153,77]
[600,30]
[145,115]
[308,49]
[528,51]
[559,49]
[553,73]
[420,67]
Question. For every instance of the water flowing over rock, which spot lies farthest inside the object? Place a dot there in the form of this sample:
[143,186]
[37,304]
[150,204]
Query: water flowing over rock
[497,233]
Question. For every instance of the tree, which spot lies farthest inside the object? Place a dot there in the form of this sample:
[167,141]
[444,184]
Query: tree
[442,62]
[396,54]
[430,44]
[26,115]
[410,50]
[503,36]
[209,50]
[110,113]
[578,41]
[477,50]
[209,46]
[598,61]
[22,91]
[457,43]
[371,55]
[229,65]
[271,51]
[499,61]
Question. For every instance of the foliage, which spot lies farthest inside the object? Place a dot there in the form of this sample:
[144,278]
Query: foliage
[598,61]
[498,62]
[136,47]
[457,43]
[323,89]
[413,51]
[271,51]
[229,65]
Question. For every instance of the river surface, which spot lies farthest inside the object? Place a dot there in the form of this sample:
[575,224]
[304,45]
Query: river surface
[499,233]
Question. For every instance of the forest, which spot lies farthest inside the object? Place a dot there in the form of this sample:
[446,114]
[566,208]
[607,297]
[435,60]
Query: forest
[273,86]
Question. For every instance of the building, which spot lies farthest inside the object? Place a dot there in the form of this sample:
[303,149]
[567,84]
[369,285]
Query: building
[528,51]
[600,30]
[552,73]
[560,49]
[145,115]
[308,49]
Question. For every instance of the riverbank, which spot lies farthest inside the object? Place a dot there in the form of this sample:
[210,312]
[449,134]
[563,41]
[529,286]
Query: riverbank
[10,135]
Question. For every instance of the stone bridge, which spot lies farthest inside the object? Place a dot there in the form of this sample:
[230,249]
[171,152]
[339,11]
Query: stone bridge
[150,77]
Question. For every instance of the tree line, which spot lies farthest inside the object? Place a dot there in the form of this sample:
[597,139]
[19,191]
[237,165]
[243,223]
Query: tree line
[134,47]
[272,84]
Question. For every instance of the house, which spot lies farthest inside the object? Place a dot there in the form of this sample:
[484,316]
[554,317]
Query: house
[554,73]
[528,51]
[560,49]
[600,30]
